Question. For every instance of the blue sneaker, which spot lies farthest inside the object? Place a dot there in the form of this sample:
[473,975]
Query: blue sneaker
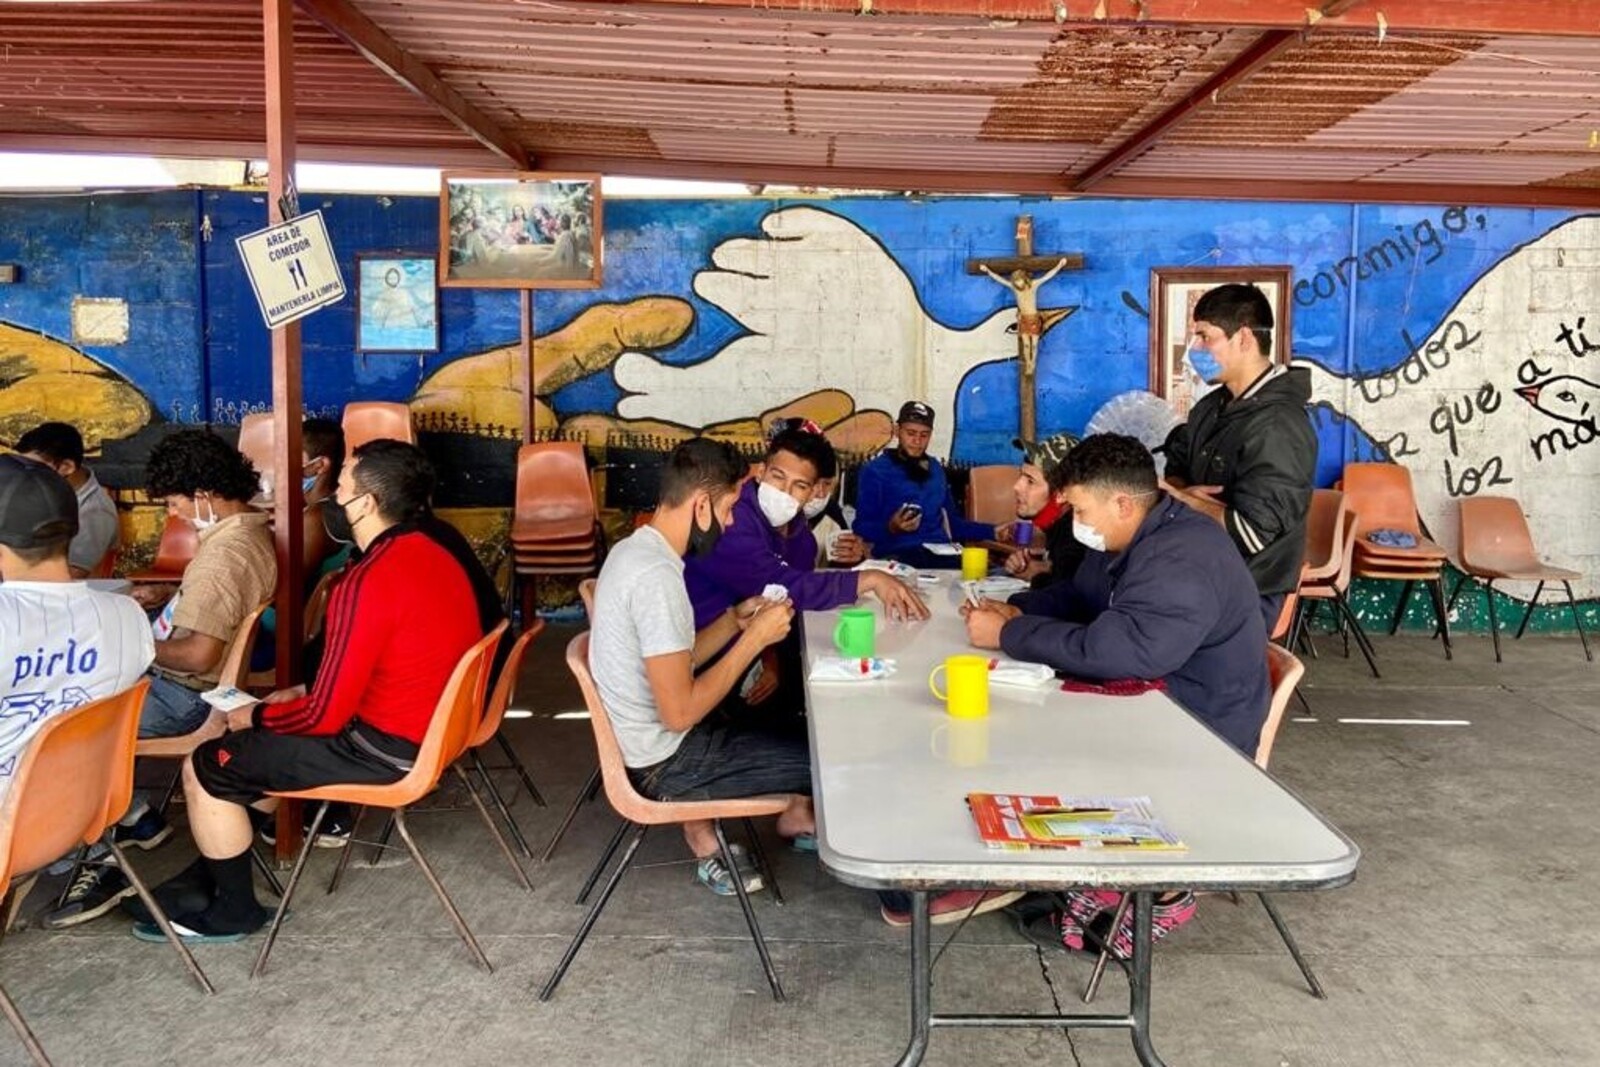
[712,873]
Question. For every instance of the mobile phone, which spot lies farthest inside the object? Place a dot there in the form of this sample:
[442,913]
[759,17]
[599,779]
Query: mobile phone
[911,511]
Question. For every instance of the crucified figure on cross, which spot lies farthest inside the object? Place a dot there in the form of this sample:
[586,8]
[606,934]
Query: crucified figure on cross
[1017,273]
[1030,324]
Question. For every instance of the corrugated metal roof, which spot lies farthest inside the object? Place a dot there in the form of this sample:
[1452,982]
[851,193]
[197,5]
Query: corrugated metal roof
[823,97]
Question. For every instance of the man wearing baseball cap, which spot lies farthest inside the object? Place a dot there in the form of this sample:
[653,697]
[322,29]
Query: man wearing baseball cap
[904,502]
[1040,504]
[63,644]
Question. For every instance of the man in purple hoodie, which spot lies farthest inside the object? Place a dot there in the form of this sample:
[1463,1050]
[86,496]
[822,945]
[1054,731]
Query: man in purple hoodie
[770,543]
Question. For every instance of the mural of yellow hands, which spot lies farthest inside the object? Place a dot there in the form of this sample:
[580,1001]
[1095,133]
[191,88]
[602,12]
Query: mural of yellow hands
[45,380]
[484,389]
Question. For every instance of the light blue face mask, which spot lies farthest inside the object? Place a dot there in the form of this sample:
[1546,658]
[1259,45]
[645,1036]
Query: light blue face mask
[1206,365]
[308,484]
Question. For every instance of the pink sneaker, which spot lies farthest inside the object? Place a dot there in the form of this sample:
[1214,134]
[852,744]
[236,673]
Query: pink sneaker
[1166,918]
[1084,904]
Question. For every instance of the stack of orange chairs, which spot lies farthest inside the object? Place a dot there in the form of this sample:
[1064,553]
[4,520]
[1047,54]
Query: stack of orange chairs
[1381,498]
[555,528]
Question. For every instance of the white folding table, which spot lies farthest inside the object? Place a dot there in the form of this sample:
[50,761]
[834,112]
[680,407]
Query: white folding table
[891,770]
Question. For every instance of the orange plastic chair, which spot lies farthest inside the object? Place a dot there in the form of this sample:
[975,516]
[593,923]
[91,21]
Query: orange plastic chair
[454,721]
[1334,587]
[1324,535]
[991,495]
[639,814]
[1284,670]
[107,567]
[494,713]
[372,420]
[591,785]
[179,542]
[554,497]
[1325,575]
[1380,496]
[234,671]
[1496,545]
[72,784]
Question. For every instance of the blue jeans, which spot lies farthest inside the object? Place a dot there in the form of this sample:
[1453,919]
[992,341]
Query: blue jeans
[720,762]
[171,710]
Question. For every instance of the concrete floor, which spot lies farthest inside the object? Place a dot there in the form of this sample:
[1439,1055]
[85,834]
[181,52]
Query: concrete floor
[1465,940]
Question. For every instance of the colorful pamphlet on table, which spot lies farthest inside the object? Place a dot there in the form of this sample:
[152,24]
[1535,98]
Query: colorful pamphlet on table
[1016,823]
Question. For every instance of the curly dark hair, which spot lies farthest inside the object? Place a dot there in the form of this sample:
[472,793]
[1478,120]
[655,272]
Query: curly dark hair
[1109,461]
[198,461]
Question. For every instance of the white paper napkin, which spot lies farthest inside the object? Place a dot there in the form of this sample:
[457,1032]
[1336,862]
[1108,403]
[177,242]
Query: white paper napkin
[1020,675]
[842,669]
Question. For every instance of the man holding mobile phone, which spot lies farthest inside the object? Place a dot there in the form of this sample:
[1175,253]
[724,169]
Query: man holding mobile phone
[905,502]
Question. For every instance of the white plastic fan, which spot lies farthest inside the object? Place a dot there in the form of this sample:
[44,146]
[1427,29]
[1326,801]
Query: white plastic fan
[1137,414]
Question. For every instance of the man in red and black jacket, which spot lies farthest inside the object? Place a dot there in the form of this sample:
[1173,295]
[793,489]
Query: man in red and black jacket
[398,623]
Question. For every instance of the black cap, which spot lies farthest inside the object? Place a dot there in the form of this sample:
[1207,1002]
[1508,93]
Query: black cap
[37,506]
[916,411]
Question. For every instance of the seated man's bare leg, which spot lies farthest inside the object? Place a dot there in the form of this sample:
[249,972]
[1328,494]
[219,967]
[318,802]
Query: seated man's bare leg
[701,837]
[220,829]
[798,818]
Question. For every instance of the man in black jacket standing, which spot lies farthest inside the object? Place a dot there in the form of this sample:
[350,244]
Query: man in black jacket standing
[1247,456]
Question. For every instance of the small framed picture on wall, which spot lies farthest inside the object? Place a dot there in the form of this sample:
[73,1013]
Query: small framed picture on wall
[531,230]
[1174,292]
[397,302]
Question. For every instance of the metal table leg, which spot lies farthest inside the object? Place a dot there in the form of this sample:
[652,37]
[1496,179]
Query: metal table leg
[1139,980]
[921,982]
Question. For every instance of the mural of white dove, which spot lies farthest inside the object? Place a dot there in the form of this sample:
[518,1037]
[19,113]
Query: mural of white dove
[825,306]
[1448,414]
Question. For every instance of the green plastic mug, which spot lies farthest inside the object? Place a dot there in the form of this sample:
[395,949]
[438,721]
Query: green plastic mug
[855,632]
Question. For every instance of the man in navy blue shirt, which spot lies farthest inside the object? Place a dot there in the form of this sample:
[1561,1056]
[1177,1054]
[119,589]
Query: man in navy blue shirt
[903,501]
[1161,595]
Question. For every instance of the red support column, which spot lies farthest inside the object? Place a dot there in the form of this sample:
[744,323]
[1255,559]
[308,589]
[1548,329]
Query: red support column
[277,25]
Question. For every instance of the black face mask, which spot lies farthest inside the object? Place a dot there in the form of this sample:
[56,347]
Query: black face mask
[701,542]
[336,522]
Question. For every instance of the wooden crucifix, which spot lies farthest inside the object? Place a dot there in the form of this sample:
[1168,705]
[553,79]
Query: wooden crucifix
[1018,273]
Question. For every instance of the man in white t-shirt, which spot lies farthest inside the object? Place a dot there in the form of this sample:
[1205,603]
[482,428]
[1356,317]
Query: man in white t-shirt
[62,644]
[644,650]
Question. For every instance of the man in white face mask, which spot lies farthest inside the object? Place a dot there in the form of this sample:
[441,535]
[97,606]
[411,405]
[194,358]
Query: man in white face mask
[205,482]
[771,543]
[1160,596]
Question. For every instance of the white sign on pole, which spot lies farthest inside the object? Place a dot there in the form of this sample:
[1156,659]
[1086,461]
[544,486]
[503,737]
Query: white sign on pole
[291,268]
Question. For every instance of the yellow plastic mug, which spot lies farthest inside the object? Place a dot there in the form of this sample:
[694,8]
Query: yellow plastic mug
[969,686]
[974,564]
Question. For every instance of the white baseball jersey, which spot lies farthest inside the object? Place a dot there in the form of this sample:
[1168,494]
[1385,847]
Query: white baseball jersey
[62,645]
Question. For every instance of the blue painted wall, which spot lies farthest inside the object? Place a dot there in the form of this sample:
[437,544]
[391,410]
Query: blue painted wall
[148,249]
